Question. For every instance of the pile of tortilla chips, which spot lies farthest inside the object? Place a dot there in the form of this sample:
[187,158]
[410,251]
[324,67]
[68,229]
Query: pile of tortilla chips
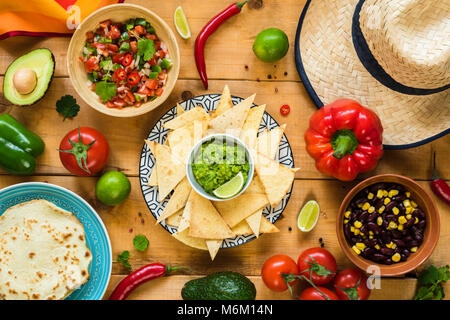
[202,223]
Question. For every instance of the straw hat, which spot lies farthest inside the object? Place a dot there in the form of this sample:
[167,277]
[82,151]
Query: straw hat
[391,56]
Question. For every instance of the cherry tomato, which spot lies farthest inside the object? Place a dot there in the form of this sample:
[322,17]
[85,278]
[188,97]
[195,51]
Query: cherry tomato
[88,155]
[139,30]
[311,293]
[133,46]
[318,265]
[351,284]
[159,92]
[119,75]
[144,90]
[115,32]
[133,78]
[113,47]
[91,64]
[273,270]
[285,109]
[153,62]
[127,60]
[118,58]
[151,84]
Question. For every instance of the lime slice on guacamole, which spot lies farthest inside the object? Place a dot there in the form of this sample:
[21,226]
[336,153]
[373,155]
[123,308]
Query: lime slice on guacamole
[231,187]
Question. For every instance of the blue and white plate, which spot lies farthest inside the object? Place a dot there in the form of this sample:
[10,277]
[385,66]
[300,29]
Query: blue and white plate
[95,232]
[158,133]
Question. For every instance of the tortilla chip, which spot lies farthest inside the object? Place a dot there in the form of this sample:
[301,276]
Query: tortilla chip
[182,140]
[254,222]
[170,170]
[178,200]
[251,125]
[174,219]
[243,229]
[275,178]
[232,120]
[206,222]
[225,102]
[255,187]
[180,109]
[184,237]
[269,141]
[235,210]
[198,113]
[185,220]
[213,247]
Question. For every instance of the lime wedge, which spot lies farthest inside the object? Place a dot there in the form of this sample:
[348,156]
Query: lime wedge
[308,216]
[230,188]
[180,21]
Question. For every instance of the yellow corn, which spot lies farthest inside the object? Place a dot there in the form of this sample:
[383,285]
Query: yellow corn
[370,232]
[393,193]
[413,204]
[416,221]
[409,210]
[380,194]
[402,220]
[392,225]
[379,221]
[413,249]
[393,246]
[395,211]
[381,209]
[357,224]
[370,196]
[356,232]
[370,236]
[389,245]
[400,228]
[356,250]
[362,234]
[408,216]
[345,221]
[377,246]
[386,201]
[396,257]
[352,229]
[371,209]
[406,203]
[360,205]
[385,193]
[347,214]
[366,206]
[360,245]
[408,194]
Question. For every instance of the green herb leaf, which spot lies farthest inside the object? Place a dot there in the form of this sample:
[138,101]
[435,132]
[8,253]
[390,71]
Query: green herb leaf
[140,242]
[430,281]
[123,259]
[67,106]
[105,90]
[146,48]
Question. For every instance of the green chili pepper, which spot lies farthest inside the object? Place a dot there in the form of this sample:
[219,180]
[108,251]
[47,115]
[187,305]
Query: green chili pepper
[125,46]
[156,69]
[153,75]
[140,22]
[18,146]
[125,36]
[130,24]
[165,64]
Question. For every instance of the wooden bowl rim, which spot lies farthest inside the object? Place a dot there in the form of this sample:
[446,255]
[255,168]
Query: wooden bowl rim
[149,105]
[425,249]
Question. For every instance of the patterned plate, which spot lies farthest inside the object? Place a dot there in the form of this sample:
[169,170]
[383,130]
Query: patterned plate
[96,235]
[159,134]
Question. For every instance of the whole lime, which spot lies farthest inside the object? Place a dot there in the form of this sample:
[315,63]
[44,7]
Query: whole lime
[271,45]
[112,188]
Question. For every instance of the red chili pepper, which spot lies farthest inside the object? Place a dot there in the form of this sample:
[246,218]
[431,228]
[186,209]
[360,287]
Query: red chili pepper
[133,78]
[119,74]
[285,109]
[439,186]
[207,30]
[138,277]
[127,60]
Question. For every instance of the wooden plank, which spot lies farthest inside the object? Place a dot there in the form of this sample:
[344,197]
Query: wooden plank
[228,50]
[133,217]
[170,288]
[126,139]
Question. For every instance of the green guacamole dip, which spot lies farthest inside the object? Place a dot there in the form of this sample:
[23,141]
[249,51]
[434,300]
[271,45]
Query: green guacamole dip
[217,163]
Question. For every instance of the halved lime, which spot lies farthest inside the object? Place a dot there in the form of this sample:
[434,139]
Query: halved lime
[230,188]
[308,216]
[180,21]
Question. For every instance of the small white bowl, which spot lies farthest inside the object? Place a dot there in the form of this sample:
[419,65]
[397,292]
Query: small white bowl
[198,146]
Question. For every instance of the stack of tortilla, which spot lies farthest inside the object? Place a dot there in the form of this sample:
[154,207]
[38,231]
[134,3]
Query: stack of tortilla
[202,223]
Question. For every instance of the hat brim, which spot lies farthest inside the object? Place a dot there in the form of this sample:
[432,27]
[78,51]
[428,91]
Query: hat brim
[411,134]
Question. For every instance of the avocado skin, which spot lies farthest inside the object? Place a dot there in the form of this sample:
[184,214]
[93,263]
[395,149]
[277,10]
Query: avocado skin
[9,86]
[225,285]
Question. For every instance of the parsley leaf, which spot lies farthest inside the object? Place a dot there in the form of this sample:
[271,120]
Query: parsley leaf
[123,259]
[146,48]
[105,90]
[430,281]
[140,242]
[67,106]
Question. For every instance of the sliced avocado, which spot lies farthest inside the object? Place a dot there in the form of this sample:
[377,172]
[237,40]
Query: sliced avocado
[30,74]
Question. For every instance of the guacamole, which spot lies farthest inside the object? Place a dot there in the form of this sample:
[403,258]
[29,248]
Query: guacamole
[217,163]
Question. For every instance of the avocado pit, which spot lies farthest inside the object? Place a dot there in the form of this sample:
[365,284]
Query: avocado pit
[24,80]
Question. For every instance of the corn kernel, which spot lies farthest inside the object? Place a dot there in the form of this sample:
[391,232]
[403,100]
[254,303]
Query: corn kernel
[352,229]
[392,225]
[416,221]
[356,250]
[360,245]
[396,257]
[408,216]
[402,220]
[366,206]
[347,213]
[345,221]
[393,246]
[393,193]
[413,204]
[362,234]
[395,211]
[370,196]
[377,246]
[386,201]
[400,228]
[370,236]
[406,203]
[408,194]
[408,210]
[357,224]
[389,245]
[371,232]
[385,193]
[379,221]
[360,205]
[380,194]
[356,232]
[413,249]
[381,209]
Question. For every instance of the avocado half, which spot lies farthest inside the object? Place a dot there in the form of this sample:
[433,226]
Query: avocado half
[42,62]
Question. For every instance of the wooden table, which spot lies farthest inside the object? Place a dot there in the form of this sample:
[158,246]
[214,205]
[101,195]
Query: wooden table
[230,61]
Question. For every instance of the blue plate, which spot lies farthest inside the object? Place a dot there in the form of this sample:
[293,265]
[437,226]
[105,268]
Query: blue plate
[96,235]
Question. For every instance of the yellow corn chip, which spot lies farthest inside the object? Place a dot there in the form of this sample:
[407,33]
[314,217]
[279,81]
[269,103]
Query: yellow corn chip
[184,237]
[185,219]
[243,229]
[198,113]
[269,141]
[170,170]
[213,247]
[225,102]
[174,219]
[177,201]
[251,125]
[254,222]
[180,110]
[181,140]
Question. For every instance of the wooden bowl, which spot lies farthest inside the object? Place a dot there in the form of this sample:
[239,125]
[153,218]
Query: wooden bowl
[431,234]
[120,13]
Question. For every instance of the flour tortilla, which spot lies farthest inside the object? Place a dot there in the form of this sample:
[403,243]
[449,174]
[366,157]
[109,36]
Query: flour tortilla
[183,236]
[198,113]
[43,252]
[206,222]
[177,201]
[251,125]
[243,229]
[170,170]
[268,142]
[225,102]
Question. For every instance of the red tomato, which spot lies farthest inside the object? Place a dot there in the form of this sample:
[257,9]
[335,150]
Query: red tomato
[117,58]
[285,109]
[312,294]
[151,84]
[91,64]
[127,60]
[351,284]
[276,270]
[144,90]
[115,32]
[113,47]
[139,30]
[90,148]
[317,264]
[133,46]
[159,92]
[153,62]
[133,78]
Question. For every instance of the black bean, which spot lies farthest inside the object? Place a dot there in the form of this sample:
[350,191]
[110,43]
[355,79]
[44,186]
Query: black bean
[354,240]
[377,186]
[401,208]
[347,232]
[414,229]
[363,229]
[403,257]
[371,242]
[378,256]
[387,251]
[405,252]
[359,200]
[390,217]
[385,223]
[363,216]
[407,238]
[369,252]
[419,213]
[390,206]
[385,237]
[399,197]
[421,224]
[388,261]
[371,217]
[412,243]
[418,236]
[373,227]
[379,203]
[396,234]
[398,242]
[409,223]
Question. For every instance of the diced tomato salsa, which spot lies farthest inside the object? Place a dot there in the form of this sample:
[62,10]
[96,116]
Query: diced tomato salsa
[126,63]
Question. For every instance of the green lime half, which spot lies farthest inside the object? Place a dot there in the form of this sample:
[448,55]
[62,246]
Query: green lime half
[308,216]
[180,21]
[230,188]
[271,45]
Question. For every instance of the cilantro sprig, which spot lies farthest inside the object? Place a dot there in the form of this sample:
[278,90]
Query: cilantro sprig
[146,48]
[430,283]
[67,106]
[140,242]
[105,90]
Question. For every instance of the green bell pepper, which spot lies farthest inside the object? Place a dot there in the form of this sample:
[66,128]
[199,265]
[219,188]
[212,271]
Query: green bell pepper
[19,147]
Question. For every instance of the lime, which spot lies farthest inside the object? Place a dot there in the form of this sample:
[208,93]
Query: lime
[112,188]
[308,216]
[180,21]
[230,188]
[271,45]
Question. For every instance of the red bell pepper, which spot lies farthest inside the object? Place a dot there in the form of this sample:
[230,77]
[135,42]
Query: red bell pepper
[345,139]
